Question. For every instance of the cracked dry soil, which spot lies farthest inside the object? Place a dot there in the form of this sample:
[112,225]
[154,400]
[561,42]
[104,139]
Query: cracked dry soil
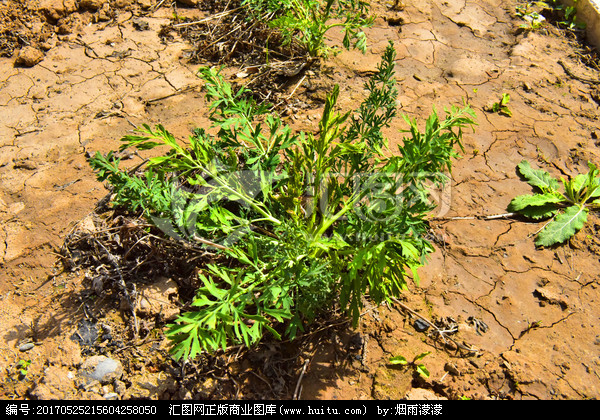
[101,68]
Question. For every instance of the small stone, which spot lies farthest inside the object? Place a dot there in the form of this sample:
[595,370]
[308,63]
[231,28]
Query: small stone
[26,347]
[101,368]
[29,57]
[64,29]
[49,43]
[92,5]
[52,9]
[120,387]
[70,6]
[451,369]
[15,208]
[104,13]
[123,4]
[145,4]
[26,164]
[420,325]
[111,396]
[140,25]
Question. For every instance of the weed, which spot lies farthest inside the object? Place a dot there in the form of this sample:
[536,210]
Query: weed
[22,367]
[418,367]
[568,210]
[501,107]
[534,20]
[309,20]
[535,13]
[568,16]
[299,221]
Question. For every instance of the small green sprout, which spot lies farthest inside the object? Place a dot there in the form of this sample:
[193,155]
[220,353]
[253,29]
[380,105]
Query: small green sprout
[501,107]
[23,366]
[419,367]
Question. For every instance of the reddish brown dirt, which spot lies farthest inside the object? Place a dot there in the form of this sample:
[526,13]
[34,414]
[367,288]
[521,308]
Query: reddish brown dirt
[103,73]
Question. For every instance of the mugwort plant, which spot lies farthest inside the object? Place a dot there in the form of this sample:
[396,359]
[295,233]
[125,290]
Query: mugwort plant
[301,221]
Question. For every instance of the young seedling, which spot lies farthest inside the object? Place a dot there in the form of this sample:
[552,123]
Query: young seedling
[534,20]
[535,13]
[23,366]
[501,107]
[568,210]
[418,367]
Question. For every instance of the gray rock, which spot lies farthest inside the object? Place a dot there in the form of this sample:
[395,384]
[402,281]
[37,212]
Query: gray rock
[26,347]
[421,325]
[101,368]
[111,396]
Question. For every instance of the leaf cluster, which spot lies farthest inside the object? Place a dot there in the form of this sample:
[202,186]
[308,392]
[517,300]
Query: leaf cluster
[568,14]
[536,12]
[300,221]
[501,107]
[418,367]
[309,20]
[568,209]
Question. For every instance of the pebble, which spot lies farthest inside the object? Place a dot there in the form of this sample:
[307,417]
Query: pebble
[120,387]
[421,325]
[92,5]
[26,347]
[451,369]
[29,57]
[102,369]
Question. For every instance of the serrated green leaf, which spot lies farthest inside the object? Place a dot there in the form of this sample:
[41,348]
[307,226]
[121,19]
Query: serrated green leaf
[538,178]
[563,227]
[175,329]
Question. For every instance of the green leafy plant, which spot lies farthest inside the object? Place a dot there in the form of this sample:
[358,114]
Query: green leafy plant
[418,367]
[535,13]
[23,366]
[568,209]
[309,20]
[534,20]
[568,13]
[300,221]
[501,107]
